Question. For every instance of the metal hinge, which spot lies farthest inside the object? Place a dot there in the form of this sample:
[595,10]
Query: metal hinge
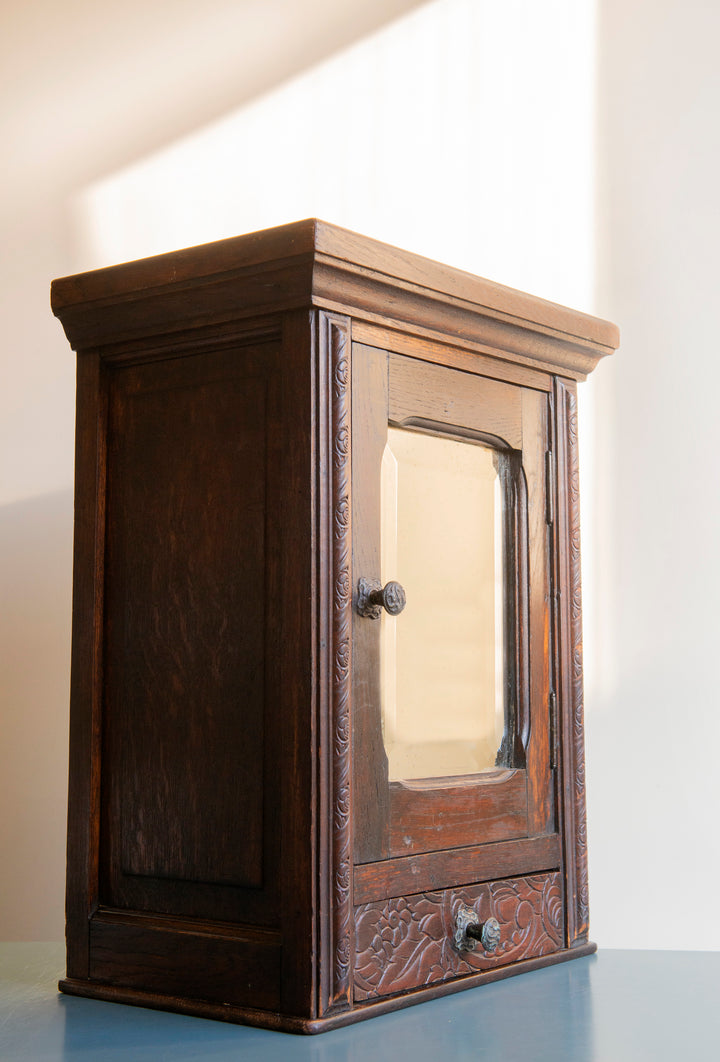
[549,487]
[553,730]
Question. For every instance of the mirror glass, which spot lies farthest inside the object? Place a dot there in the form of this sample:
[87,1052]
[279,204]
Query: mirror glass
[443,657]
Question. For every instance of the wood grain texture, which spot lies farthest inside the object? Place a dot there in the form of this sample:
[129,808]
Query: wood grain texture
[193,340]
[185,267]
[452,867]
[421,392]
[311,262]
[293,768]
[363,253]
[188,605]
[541,809]
[432,819]
[227,969]
[83,841]
[173,307]
[406,942]
[379,300]
[452,352]
[186,645]
[370,418]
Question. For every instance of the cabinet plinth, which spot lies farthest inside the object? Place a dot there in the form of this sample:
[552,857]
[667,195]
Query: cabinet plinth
[326,735]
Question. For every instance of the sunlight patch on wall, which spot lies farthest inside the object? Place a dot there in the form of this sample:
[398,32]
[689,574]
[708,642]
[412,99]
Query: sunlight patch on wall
[463,131]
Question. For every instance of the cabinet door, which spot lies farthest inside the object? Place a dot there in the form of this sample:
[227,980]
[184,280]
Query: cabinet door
[451,695]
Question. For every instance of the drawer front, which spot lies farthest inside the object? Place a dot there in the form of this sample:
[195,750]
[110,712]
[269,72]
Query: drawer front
[409,942]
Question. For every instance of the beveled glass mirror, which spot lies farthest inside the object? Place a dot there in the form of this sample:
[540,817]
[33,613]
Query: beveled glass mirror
[445,695]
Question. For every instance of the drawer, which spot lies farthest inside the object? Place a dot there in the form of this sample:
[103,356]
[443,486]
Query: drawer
[409,942]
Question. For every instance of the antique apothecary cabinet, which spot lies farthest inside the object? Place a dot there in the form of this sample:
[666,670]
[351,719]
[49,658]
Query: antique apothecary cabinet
[326,739]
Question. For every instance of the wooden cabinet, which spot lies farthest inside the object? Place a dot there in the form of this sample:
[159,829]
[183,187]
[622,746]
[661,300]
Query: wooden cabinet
[293,801]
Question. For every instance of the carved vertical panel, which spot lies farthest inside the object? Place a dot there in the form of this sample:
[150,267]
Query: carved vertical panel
[571,666]
[335,337]
[578,742]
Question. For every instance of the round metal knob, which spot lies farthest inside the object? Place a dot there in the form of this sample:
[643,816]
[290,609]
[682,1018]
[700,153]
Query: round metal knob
[488,933]
[373,598]
[469,931]
[391,597]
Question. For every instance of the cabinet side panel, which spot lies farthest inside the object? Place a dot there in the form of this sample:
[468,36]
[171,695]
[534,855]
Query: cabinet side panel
[185,631]
[85,689]
[212,967]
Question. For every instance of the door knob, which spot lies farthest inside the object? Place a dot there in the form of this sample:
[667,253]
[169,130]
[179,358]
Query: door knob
[469,931]
[373,598]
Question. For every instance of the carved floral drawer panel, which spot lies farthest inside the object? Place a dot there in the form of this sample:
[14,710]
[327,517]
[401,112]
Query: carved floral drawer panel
[410,941]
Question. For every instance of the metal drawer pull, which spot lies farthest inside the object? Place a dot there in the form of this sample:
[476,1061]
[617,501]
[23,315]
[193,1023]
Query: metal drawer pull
[469,931]
[373,598]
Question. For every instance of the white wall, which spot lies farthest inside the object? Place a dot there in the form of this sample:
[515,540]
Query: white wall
[451,132]
[464,131]
[87,88]
[654,725]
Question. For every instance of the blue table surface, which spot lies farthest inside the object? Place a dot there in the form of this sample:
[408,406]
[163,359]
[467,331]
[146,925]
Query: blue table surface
[610,1007]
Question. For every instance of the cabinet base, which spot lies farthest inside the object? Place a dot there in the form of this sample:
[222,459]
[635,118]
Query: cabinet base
[288,1023]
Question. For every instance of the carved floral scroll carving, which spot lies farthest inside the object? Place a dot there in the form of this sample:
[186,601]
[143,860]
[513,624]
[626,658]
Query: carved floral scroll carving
[576,678]
[407,942]
[338,348]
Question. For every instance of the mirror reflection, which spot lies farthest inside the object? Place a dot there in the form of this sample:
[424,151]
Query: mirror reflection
[443,659]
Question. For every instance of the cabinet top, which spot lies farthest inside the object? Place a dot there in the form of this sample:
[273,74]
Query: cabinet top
[314,264]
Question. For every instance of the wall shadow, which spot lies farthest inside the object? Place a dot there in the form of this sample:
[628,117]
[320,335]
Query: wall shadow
[36,578]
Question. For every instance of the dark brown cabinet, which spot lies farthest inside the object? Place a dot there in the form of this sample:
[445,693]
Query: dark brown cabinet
[326,749]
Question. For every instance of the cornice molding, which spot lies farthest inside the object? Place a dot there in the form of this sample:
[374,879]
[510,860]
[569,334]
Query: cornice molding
[313,264]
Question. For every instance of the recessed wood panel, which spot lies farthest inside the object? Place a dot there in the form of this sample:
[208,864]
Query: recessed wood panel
[425,819]
[187,612]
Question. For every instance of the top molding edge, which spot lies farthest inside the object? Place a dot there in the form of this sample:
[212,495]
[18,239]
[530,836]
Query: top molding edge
[312,249]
